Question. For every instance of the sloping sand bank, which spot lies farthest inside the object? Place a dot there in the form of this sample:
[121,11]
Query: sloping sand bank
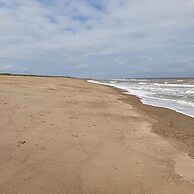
[62,135]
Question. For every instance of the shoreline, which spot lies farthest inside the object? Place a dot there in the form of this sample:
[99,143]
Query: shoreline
[142,100]
[175,127]
[63,135]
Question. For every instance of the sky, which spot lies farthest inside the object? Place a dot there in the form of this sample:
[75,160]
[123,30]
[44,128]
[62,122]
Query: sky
[97,38]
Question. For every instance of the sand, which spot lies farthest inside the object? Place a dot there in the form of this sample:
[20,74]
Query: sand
[60,135]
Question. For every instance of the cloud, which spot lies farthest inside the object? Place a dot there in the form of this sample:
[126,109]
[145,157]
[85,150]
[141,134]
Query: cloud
[51,36]
[82,66]
[4,68]
[119,61]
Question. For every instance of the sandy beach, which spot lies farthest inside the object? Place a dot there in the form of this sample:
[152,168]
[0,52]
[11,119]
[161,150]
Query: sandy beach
[67,136]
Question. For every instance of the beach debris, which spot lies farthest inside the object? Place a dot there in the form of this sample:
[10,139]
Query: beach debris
[21,143]
[28,178]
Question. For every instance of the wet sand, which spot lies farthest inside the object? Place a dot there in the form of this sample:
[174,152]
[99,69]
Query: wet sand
[60,135]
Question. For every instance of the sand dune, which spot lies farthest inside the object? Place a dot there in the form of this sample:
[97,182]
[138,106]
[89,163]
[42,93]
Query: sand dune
[62,135]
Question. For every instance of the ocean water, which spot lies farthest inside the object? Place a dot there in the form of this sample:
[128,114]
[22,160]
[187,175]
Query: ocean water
[175,94]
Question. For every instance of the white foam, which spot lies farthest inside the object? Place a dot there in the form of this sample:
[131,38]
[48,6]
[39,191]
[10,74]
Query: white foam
[142,83]
[178,106]
[97,82]
[190,91]
[175,85]
[189,104]
[155,96]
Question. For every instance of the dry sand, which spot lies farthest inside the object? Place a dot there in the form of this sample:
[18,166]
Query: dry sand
[63,136]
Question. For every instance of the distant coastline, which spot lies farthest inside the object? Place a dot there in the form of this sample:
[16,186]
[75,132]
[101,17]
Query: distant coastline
[35,75]
[85,78]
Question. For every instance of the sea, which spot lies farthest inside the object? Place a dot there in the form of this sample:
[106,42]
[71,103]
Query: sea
[176,94]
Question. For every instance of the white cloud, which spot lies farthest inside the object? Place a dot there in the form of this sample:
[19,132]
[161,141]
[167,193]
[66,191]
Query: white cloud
[6,67]
[119,61]
[74,32]
[82,66]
